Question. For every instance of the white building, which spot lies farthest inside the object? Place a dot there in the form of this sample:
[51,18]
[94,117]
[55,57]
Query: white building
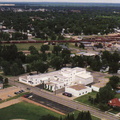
[59,79]
[96,87]
[78,90]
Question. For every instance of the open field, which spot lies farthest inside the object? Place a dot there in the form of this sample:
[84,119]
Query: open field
[24,110]
[28,111]
[25,46]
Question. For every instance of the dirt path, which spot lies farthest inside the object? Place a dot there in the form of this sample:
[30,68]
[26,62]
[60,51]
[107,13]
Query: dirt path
[10,102]
[38,104]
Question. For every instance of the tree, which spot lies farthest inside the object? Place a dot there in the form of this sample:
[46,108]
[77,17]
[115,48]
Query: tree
[65,52]
[105,94]
[44,48]
[39,66]
[114,80]
[57,49]
[6,67]
[113,67]
[107,55]
[56,62]
[48,117]
[33,50]
[32,57]
[82,46]
[53,37]
[96,65]
[103,107]
[16,69]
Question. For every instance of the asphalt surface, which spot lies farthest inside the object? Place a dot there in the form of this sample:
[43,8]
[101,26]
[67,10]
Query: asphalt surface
[51,104]
[65,102]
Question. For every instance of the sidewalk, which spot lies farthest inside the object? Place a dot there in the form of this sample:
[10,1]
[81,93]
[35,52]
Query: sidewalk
[10,102]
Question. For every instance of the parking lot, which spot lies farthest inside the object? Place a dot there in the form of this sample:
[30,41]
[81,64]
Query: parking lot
[8,92]
[51,104]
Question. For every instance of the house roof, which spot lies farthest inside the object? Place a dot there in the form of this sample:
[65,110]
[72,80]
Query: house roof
[114,102]
[78,87]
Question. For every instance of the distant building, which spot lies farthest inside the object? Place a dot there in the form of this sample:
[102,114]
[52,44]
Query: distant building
[59,79]
[86,53]
[78,90]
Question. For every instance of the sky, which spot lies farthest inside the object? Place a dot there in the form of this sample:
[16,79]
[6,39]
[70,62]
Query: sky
[84,1]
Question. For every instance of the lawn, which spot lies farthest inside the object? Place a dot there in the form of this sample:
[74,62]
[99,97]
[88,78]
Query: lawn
[84,98]
[117,96]
[26,111]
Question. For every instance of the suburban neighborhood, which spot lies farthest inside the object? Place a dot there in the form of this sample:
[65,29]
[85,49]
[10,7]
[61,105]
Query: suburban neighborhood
[59,61]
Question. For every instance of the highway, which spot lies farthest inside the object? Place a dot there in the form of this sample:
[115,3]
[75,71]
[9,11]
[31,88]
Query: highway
[69,103]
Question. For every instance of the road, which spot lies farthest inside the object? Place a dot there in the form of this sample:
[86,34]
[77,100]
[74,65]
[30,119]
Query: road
[65,102]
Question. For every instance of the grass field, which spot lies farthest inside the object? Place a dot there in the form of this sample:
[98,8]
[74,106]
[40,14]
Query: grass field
[24,110]
[84,98]
[25,46]
[117,95]
[28,111]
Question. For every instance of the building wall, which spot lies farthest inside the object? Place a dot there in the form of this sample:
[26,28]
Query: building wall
[55,86]
[78,93]
[95,88]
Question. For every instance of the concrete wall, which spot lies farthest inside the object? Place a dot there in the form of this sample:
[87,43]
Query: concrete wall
[78,93]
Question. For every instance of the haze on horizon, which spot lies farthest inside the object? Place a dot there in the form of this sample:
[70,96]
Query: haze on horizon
[78,1]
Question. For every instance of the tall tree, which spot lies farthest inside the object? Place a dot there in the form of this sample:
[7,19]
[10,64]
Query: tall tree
[44,48]
[56,62]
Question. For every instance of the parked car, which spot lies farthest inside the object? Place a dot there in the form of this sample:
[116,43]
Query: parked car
[28,88]
[21,91]
[67,94]
[16,92]
[28,95]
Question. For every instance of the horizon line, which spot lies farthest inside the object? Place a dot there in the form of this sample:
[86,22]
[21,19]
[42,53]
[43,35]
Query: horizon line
[62,2]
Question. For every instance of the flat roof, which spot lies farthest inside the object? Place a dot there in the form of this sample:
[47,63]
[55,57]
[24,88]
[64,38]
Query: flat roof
[100,84]
[84,75]
[78,87]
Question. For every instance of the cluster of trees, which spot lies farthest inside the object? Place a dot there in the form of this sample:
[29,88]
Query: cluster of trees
[50,24]
[97,62]
[81,116]
[19,36]
[11,60]
[14,36]
[4,36]
[106,93]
